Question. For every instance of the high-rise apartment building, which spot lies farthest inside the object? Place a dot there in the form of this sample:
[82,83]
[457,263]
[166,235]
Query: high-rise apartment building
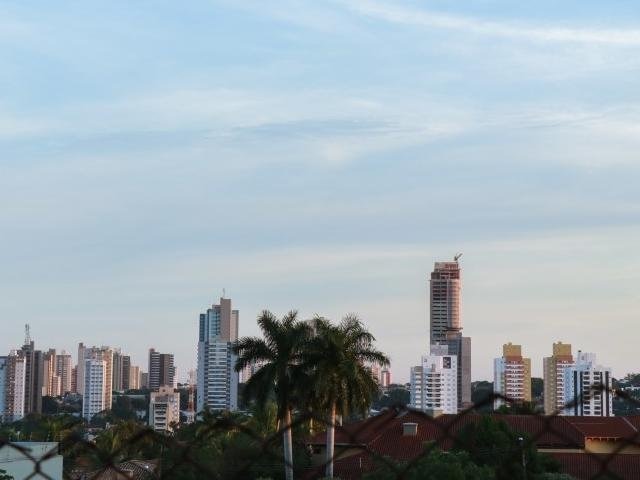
[12,387]
[511,376]
[434,383]
[51,381]
[94,398]
[64,370]
[445,289]
[445,323]
[587,388]
[116,377]
[385,378]
[164,409]
[553,373]
[104,354]
[134,377]
[217,378]
[126,372]
[162,370]
[34,377]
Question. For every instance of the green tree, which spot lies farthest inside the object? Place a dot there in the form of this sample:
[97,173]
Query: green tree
[4,475]
[280,353]
[492,443]
[435,465]
[341,381]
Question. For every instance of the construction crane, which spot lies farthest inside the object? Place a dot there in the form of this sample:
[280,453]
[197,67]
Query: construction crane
[457,256]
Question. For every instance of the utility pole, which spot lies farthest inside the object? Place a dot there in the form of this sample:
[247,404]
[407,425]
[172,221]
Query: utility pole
[524,458]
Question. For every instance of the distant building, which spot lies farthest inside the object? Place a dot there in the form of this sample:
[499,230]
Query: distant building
[51,381]
[587,388]
[34,377]
[445,287]
[385,378]
[164,409]
[553,372]
[445,323]
[512,376]
[217,378]
[144,379]
[94,399]
[99,354]
[64,370]
[434,383]
[134,377]
[12,387]
[162,370]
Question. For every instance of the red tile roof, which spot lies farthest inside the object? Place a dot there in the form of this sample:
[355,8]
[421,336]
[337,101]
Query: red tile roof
[382,436]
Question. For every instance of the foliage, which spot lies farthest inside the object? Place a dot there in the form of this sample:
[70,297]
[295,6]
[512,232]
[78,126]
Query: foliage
[492,443]
[481,396]
[435,465]
[4,475]
[393,397]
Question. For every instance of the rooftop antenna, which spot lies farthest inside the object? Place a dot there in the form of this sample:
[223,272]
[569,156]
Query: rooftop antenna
[27,334]
[457,256]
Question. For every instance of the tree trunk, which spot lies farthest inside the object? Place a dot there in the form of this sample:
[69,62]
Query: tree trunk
[288,446]
[331,436]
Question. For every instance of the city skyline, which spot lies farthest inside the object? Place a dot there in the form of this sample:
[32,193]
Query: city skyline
[320,156]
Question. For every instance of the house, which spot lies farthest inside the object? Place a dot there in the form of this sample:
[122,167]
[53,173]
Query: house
[584,446]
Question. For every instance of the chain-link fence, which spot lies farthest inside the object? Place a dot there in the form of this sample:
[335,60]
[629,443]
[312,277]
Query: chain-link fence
[398,443]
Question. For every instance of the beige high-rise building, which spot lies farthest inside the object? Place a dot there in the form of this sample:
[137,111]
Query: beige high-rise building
[511,376]
[64,370]
[553,371]
[50,379]
[445,323]
[134,377]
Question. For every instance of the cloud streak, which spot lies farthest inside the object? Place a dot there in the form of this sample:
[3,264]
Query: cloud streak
[547,34]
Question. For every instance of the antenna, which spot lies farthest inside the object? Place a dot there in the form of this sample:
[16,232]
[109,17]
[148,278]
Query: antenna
[27,334]
[457,256]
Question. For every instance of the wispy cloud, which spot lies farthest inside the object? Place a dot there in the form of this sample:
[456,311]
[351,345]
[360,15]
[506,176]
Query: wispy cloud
[429,19]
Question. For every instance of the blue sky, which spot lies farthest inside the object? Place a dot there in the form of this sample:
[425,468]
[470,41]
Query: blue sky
[321,156]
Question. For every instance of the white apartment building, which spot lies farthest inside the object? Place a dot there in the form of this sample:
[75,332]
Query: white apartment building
[587,388]
[12,387]
[434,383]
[94,399]
[217,378]
[511,376]
[164,409]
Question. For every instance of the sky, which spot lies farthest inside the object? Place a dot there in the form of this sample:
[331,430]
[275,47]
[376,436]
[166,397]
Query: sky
[321,156]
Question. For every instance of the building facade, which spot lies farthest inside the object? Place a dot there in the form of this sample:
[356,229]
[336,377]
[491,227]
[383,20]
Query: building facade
[162,370]
[445,323]
[100,354]
[164,409]
[94,398]
[553,374]
[434,383]
[217,378]
[587,388]
[64,370]
[34,377]
[12,387]
[51,381]
[511,376]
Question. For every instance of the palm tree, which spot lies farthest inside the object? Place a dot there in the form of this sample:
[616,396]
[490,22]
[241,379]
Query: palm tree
[337,360]
[280,354]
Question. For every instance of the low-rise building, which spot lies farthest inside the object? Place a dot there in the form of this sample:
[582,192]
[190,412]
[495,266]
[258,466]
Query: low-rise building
[164,409]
